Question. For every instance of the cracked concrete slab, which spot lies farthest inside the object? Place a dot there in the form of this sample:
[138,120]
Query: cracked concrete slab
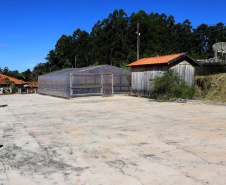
[116,140]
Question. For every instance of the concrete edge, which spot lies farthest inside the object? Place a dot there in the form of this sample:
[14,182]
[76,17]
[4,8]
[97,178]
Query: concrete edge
[206,102]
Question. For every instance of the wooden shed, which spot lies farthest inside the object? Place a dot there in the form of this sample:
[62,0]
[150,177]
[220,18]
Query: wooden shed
[144,71]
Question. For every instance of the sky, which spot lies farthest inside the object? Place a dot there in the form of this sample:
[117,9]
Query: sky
[29,29]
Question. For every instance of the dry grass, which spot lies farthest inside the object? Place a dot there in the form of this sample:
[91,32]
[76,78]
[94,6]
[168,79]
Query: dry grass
[211,88]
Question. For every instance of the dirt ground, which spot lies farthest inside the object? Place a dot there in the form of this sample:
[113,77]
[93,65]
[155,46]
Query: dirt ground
[110,141]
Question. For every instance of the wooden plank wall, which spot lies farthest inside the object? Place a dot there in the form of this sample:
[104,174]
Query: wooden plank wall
[143,76]
[186,71]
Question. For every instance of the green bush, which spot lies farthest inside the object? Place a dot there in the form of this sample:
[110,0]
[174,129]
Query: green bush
[211,88]
[170,85]
[7,91]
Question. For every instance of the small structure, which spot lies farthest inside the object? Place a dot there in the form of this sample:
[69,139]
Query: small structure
[144,71]
[18,83]
[104,80]
[33,86]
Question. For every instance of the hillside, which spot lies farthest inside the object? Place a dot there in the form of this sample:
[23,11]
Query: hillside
[211,88]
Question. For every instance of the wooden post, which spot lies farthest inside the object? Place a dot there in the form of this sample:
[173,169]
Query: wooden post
[120,82]
[112,84]
[71,90]
[101,80]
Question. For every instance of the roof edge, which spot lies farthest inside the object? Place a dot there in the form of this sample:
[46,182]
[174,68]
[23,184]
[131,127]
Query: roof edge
[181,56]
[17,81]
[170,61]
[131,64]
[147,64]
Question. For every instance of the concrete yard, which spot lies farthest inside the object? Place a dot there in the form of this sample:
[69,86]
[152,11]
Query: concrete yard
[110,141]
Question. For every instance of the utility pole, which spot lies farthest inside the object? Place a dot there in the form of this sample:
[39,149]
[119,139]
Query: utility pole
[138,40]
[75,61]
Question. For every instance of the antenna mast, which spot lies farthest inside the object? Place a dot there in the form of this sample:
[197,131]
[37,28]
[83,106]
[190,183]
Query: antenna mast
[219,47]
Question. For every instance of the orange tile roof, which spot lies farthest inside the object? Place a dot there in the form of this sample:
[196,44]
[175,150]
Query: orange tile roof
[2,77]
[33,84]
[156,60]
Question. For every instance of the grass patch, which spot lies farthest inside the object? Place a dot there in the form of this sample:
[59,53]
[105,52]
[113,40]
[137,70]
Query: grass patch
[211,88]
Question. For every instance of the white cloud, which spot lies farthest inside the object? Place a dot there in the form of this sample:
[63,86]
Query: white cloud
[2,45]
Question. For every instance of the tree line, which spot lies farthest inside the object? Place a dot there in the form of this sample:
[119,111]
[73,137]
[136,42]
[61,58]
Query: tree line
[26,76]
[114,41]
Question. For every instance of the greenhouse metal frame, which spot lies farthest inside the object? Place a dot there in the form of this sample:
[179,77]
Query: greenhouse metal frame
[103,80]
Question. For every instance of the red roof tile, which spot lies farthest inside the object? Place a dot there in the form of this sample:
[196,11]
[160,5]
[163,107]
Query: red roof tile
[2,77]
[33,84]
[156,60]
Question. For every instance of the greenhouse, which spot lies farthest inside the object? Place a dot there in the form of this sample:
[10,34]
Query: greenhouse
[103,80]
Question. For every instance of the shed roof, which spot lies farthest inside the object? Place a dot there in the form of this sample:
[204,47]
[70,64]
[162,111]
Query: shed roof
[100,69]
[167,59]
[2,77]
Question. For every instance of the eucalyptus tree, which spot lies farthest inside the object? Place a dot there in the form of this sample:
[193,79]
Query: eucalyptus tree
[80,50]
[113,40]
[200,41]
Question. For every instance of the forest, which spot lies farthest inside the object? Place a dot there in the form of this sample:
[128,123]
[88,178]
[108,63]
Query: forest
[114,41]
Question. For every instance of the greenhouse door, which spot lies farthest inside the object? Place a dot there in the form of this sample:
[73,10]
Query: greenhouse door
[107,86]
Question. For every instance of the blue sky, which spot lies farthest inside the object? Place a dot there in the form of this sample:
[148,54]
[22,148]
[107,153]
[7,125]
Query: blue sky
[29,29]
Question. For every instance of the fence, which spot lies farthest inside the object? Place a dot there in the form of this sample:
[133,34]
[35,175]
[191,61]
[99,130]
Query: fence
[99,84]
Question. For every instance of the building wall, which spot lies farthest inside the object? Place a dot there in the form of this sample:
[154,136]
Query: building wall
[143,76]
[186,71]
